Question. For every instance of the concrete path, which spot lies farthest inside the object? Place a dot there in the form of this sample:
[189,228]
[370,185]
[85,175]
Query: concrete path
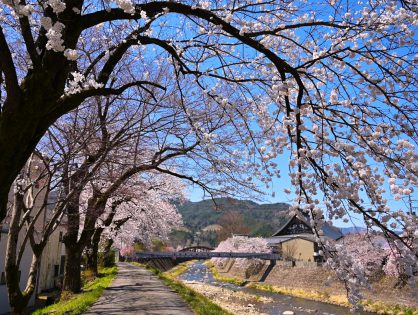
[138,291]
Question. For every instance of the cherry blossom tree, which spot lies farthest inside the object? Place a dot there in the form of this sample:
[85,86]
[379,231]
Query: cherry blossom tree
[313,69]
[127,250]
[367,251]
[32,218]
[150,147]
[242,244]
[118,139]
[401,263]
[140,210]
[331,84]
[105,143]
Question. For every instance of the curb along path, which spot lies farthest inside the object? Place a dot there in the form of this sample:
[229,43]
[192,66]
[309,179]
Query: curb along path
[137,291]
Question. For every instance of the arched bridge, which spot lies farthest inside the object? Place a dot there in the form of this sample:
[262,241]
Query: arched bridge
[197,249]
[185,255]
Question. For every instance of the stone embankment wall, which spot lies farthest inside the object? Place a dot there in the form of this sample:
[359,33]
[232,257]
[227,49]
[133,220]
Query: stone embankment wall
[231,269]
[309,276]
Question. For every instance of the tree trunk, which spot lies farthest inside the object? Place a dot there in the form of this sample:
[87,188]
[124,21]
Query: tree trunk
[94,250]
[19,135]
[72,269]
[106,254]
[73,250]
[92,253]
[16,145]
[74,245]
[18,300]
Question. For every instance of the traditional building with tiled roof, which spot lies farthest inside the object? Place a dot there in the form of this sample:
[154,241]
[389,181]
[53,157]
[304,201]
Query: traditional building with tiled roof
[295,240]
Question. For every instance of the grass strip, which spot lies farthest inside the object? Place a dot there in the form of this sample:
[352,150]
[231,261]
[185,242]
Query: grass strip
[178,270]
[73,304]
[198,302]
[341,300]
[220,278]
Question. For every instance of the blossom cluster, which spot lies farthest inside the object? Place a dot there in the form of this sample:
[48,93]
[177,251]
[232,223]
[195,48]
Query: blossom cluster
[241,244]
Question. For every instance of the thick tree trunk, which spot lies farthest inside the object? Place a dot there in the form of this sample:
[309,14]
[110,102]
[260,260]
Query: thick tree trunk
[12,160]
[27,113]
[22,124]
[92,258]
[72,268]
[19,300]
[107,262]
[73,250]
[75,244]
[93,251]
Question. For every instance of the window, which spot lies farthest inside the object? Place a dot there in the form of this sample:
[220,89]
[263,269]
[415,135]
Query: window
[62,265]
[56,270]
[3,278]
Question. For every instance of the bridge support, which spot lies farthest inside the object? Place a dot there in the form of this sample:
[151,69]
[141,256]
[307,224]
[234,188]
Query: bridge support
[268,270]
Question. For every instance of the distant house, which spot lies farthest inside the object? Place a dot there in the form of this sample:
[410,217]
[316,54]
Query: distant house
[295,241]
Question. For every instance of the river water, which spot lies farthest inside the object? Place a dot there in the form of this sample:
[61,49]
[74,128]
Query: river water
[274,304]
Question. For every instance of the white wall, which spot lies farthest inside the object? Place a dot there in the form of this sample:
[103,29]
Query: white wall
[24,268]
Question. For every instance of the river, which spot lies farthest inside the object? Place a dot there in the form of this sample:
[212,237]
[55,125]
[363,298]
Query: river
[243,300]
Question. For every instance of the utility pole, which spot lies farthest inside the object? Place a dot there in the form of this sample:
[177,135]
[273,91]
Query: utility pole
[412,209]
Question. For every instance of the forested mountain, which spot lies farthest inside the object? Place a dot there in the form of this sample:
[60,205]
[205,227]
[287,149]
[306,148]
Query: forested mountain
[261,219]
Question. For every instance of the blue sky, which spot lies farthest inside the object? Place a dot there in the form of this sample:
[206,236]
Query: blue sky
[279,184]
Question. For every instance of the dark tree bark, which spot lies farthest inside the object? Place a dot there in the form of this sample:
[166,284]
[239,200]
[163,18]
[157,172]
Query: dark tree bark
[75,245]
[107,252]
[73,250]
[36,97]
[92,252]
[72,268]
[19,299]
[93,248]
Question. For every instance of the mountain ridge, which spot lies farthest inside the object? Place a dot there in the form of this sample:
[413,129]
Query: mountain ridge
[262,219]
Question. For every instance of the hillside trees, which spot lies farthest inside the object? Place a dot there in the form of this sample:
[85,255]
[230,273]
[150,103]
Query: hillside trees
[232,222]
[333,84]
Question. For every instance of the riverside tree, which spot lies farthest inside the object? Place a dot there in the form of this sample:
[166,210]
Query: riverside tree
[331,83]
[111,144]
[30,224]
[142,209]
[242,244]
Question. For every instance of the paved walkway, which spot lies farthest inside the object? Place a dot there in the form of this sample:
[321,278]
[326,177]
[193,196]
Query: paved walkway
[138,291]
